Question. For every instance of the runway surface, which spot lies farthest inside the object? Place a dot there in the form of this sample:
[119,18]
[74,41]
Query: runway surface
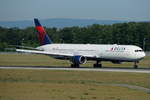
[141,70]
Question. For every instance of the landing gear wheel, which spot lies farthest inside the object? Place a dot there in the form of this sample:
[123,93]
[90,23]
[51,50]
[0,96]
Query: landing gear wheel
[75,65]
[135,65]
[97,65]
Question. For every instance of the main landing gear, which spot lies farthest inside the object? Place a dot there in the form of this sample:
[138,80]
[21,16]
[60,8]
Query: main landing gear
[75,65]
[97,64]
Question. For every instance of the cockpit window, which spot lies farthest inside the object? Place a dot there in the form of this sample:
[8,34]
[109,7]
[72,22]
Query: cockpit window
[138,50]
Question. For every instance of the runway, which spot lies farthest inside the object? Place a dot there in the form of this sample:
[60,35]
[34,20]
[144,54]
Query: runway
[141,70]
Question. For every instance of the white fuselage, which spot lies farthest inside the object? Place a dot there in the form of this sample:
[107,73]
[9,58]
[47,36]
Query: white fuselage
[103,52]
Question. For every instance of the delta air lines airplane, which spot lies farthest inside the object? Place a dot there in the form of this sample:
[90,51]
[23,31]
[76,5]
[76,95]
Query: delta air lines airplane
[81,53]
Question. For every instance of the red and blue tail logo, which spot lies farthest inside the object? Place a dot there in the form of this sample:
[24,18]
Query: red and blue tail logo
[42,36]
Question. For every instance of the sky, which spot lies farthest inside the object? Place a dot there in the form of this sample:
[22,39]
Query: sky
[126,10]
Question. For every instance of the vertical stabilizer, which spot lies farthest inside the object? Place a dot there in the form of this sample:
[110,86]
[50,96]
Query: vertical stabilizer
[42,36]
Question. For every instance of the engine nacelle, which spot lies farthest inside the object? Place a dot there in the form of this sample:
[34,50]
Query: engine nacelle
[78,59]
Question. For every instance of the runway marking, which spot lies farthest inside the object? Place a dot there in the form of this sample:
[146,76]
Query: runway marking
[81,69]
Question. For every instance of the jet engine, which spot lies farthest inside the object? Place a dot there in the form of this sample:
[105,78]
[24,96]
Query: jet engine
[78,59]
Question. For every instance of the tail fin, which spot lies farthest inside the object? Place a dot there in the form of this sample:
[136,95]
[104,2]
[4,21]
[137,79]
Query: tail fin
[42,36]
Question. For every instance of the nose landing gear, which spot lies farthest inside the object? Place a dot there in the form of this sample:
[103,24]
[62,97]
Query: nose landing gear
[135,64]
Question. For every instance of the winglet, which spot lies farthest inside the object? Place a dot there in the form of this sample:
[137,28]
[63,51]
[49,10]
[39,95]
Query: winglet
[42,36]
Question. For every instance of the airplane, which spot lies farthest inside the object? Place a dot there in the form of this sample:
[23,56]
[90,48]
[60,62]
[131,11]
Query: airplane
[81,53]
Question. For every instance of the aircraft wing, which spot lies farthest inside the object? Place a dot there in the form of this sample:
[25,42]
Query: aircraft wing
[50,53]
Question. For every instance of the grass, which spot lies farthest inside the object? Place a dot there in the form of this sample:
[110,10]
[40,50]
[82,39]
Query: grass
[17,84]
[29,60]
[42,60]
[70,85]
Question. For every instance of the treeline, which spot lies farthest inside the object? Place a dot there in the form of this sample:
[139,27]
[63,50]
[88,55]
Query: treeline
[123,33]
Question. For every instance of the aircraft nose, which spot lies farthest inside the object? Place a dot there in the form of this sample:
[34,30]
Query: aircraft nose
[142,55]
